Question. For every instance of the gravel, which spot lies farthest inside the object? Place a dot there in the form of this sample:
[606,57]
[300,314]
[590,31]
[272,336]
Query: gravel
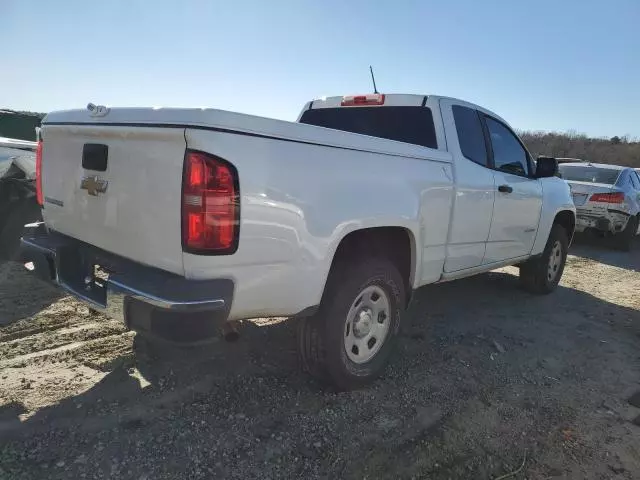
[484,376]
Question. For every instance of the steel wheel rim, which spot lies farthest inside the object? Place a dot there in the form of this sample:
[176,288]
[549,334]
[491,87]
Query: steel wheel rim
[555,261]
[367,324]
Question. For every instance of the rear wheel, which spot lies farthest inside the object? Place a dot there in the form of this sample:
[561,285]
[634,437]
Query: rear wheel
[349,341]
[542,274]
[624,240]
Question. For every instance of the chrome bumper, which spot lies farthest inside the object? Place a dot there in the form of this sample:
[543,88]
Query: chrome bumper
[144,298]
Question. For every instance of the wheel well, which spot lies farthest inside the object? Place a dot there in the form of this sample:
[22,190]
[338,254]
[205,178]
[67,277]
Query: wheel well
[567,220]
[394,243]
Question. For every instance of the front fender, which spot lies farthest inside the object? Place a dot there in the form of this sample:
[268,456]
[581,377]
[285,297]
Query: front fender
[556,198]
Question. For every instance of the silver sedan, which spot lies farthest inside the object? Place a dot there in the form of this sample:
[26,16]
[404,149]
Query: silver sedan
[607,199]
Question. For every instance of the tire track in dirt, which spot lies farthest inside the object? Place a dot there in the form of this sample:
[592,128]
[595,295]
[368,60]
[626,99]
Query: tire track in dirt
[48,340]
[51,346]
[79,351]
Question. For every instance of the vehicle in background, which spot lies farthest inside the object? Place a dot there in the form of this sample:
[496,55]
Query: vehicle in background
[182,220]
[18,204]
[607,199]
[569,160]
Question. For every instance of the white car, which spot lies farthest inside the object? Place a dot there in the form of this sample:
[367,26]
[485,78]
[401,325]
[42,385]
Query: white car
[181,220]
[607,199]
[562,160]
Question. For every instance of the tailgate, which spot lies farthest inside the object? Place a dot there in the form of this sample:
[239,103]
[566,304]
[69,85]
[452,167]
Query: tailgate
[116,187]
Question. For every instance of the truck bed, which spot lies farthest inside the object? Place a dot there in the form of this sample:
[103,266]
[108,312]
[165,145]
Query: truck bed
[302,189]
[232,122]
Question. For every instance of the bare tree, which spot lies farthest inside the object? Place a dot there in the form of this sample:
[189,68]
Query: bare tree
[618,150]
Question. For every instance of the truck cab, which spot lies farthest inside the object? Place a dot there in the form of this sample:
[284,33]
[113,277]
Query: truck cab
[497,196]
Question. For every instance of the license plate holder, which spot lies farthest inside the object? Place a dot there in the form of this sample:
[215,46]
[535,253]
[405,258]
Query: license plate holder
[79,273]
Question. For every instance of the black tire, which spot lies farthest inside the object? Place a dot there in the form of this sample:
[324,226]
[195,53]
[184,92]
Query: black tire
[624,240]
[535,275]
[321,337]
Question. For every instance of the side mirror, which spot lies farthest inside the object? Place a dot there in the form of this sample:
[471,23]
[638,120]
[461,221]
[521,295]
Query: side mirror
[546,167]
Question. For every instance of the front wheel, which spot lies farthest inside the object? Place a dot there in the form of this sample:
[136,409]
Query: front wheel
[349,341]
[542,274]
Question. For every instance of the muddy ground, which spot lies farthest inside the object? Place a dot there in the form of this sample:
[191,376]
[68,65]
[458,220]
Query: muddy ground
[487,380]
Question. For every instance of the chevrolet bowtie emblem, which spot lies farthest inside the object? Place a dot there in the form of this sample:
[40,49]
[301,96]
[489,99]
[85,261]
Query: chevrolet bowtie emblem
[93,185]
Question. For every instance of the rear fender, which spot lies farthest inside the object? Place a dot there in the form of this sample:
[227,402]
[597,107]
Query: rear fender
[411,229]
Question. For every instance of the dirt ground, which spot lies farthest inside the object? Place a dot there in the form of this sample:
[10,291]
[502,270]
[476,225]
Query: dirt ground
[487,380]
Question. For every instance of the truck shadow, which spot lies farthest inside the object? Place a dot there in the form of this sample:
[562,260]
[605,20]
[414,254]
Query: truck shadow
[601,250]
[461,342]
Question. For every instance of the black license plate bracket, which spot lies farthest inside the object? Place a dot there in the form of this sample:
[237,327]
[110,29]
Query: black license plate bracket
[77,271]
[94,157]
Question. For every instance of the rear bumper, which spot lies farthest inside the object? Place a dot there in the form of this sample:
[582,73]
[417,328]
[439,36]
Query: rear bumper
[607,221]
[146,299]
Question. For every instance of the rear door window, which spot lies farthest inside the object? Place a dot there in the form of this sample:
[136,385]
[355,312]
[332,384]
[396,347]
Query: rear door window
[470,134]
[403,124]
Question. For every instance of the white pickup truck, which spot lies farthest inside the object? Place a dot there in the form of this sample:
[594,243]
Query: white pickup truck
[180,220]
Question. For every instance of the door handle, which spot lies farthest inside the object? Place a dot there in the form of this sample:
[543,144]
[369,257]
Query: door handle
[505,189]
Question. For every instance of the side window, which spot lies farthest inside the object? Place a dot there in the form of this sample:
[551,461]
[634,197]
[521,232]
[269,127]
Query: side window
[630,181]
[634,180]
[509,155]
[470,134]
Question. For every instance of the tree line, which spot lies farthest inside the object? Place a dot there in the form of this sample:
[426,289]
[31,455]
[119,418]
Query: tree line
[19,125]
[615,150]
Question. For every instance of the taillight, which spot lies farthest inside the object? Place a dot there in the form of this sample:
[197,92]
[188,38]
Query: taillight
[615,197]
[39,196]
[210,205]
[370,99]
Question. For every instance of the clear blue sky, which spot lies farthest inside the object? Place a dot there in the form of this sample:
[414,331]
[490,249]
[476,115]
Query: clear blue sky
[543,65]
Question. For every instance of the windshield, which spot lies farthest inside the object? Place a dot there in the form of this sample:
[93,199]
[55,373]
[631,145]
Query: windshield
[580,173]
[403,124]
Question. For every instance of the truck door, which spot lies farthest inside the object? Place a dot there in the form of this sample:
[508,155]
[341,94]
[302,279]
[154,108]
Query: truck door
[518,200]
[474,186]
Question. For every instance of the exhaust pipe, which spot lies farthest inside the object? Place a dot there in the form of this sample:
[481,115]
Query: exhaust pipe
[230,331]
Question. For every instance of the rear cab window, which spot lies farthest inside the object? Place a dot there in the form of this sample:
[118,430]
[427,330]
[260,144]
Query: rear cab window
[408,124]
